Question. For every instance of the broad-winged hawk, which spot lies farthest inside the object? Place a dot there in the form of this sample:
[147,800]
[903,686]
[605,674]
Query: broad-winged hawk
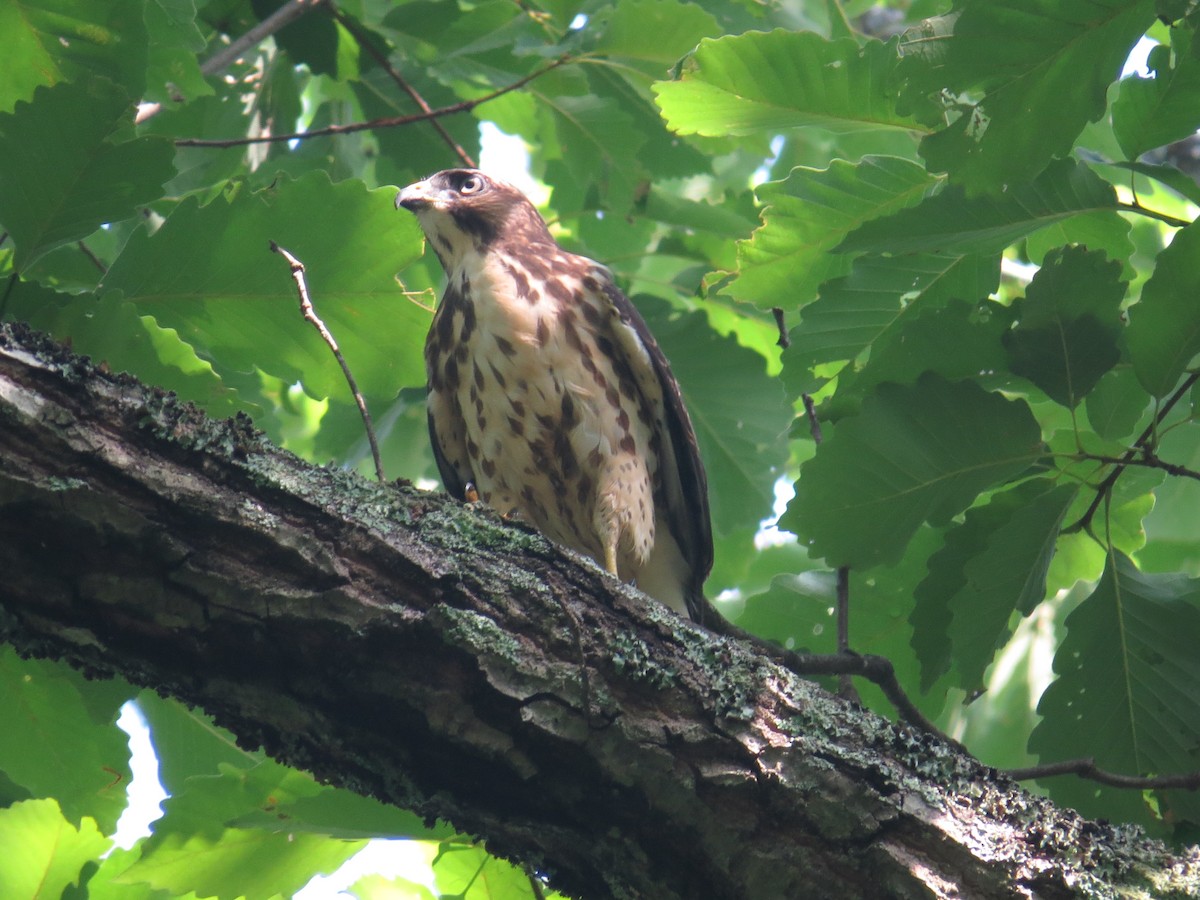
[549,395]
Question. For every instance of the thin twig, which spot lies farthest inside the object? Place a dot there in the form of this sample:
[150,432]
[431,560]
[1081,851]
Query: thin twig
[845,682]
[1087,768]
[784,341]
[310,314]
[367,44]
[1105,487]
[385,122]
[1147,460]
[814,424]
[1153,214]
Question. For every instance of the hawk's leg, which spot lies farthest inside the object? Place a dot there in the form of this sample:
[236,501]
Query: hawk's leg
[470,492]
[610,555]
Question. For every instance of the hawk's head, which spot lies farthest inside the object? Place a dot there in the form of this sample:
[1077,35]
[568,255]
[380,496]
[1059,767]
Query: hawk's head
[463,211]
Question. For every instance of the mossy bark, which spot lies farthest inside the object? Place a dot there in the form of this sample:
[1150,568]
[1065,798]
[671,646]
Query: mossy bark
[428,654]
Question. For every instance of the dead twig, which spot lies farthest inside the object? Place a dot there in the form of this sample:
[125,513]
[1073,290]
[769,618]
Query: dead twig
[1087,768]
[306,308]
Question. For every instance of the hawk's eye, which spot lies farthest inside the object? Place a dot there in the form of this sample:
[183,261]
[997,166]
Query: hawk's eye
[472,184]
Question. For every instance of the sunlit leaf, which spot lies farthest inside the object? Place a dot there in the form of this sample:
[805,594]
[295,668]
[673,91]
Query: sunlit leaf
[56,745]
[43,852]
[767,81]
[808,214]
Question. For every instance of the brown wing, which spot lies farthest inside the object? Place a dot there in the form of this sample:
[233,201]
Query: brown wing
[447,429]
[684,481]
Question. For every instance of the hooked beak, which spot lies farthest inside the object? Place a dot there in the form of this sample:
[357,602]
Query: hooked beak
[414,197]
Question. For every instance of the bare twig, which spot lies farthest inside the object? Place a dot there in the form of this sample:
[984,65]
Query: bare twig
[784,341]
[385,122]
[367,44]
[310,314]
[1087,768]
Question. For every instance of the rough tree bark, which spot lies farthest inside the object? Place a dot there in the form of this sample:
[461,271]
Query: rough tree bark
[423,652]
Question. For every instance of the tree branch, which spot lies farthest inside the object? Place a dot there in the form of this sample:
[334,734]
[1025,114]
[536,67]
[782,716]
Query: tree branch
[427,653]
[384,122]
[364,41]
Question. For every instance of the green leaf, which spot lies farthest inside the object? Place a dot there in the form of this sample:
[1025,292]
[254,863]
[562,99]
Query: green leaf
[249,863]
[208,273]
[43,852]
[952,221]
[1164,325]
[173,67]
[1128,687]
[1171,543]
[1116,404]
[1041,84]
[1069,324]
[915,453]
[1105,230]
[878,297]
[769,81]
[58,743]
[64,169]
[740,414]
[659,31]
[991,565]
[50,41]
[1165,107]
[958,342]
[188,743]
[598,145]
[807,215]
[110,331]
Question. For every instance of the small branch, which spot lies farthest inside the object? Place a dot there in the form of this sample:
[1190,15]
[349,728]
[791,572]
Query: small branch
[310,314]
[814,424]
[784,341]
[845,682]
[1102,490]
[1153,214]
[1086,768]
[285,15]
[1147,460]
[368,45]
[385,122]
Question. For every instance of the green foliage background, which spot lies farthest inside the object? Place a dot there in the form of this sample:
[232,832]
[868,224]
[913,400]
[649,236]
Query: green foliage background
[991,296]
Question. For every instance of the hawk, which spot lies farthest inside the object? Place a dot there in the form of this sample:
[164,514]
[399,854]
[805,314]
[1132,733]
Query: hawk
[549,396]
